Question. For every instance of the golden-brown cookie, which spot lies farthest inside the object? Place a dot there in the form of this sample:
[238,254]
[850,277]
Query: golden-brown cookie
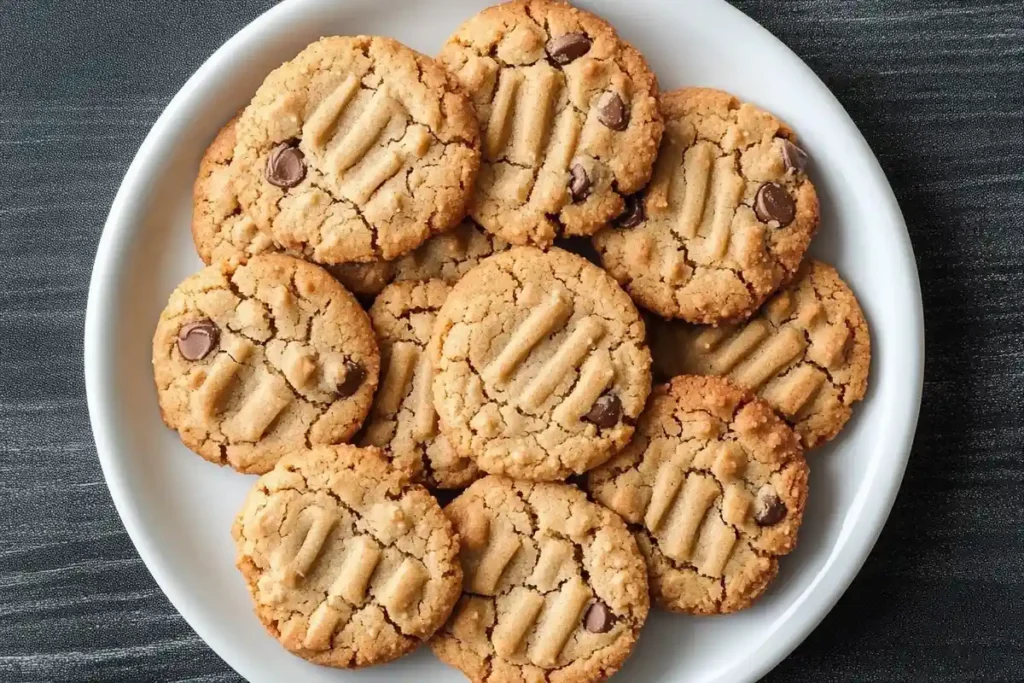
[555,587]
[403,422]
[715,484]
[568,114]
[223,232]
[356,150]
[726,219]
[220,230]
[807,352]
[348,564]
[449,256]
[252,361]
[541,365]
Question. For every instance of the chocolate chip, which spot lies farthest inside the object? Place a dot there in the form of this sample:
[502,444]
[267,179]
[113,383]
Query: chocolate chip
[794,157]
[768,507]
[197,339]
[567,48]
[633,215]
[773,203]
[612,112]
[605,412]
[579,183]
[286,165]
[599,618]
[355,373]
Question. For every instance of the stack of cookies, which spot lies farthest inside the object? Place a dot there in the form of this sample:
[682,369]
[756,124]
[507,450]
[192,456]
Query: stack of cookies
[422,284]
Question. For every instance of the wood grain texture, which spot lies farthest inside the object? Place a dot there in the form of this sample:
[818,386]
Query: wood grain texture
[937,87]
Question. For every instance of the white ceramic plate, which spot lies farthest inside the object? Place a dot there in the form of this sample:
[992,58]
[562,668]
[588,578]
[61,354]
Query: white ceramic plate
[178,509]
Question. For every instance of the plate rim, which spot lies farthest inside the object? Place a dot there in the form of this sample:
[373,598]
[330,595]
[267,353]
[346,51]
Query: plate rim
[853,550]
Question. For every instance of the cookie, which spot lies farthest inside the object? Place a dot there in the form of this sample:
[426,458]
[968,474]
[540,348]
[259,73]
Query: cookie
[364,279]
[807,352]
[726,219]
[252,361]
[555,587]
[568,115]
[449,256]
[357,150]
[221,231]
[403,422]
[541,366]
[348,564]
[714,486]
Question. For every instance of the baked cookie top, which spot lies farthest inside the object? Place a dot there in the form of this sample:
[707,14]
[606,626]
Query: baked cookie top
[358,149]
[449,256]
[726,218]
[807,352]
[222,232]
[568,114]
[715,485]
[252,361]
[403,422]
[540,365]
[220,229]
[555,587]
[348,564]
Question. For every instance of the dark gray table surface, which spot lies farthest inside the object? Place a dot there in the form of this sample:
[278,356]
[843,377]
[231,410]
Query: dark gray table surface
[937,87]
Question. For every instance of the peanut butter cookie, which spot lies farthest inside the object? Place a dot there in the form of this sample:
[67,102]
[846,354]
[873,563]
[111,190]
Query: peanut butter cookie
[726,219]
[252,361]
[222,232]
[358,149]
[555,587]
[541,365]
[348,564]
[715,484]
[403,422]
[807,352]
[568,114]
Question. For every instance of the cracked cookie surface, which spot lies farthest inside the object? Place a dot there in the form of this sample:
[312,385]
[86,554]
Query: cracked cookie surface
[540,365]
[446,257]
[807,352]
[568,115]
[555,588]
[221,231]
[449,256]
[726,218]
[714,486]
[348,564]
[358,149]
[403,422]
[252,361]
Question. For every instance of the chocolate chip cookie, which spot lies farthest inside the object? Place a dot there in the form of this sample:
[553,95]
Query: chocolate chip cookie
[807,352]
[348,564]
[715,484]
[403,422]
[252,361]
[357,150]
[568,113]
[222,232]
[541,365]
[726,219]
[555,587]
